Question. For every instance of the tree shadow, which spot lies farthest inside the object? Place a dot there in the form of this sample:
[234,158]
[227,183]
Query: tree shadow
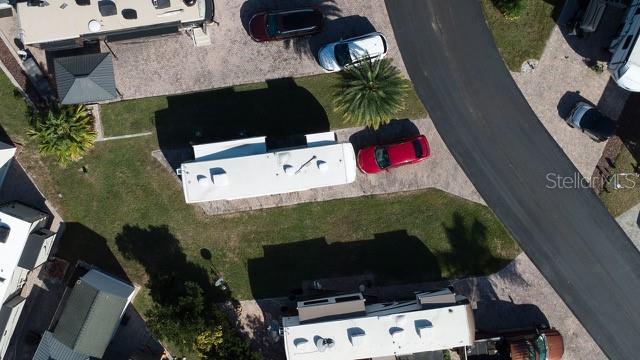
[387,133]
[281,109]
[299,45]
[79,243]
[393,258]
[628,129]
[470,252]
[591,46]
[166,265]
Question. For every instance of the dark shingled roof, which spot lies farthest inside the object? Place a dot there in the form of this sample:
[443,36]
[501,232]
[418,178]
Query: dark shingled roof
[89,319]
[85,78]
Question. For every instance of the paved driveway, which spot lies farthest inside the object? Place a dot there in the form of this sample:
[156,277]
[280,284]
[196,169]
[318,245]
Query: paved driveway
[172,64]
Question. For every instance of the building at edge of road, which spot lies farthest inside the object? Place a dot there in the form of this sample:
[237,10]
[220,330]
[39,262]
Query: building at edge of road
[344,328]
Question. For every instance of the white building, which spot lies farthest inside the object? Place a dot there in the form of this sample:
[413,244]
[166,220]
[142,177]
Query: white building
[244,168]
[345,328]
[24,245]
[60,24]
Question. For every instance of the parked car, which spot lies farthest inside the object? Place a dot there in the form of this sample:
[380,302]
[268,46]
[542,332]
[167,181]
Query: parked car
[336,56]
[588,119]
[374,159]
[278,25]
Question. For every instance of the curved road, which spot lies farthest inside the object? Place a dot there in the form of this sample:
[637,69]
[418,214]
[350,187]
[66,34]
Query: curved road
[514,163]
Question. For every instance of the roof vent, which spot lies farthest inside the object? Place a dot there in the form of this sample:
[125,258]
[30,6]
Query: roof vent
[203,180]
[356,336]
[4,234]
[219,177]
[288,169]
[300,342]
[423,327]
[396,332]
[324,344]
[322,165]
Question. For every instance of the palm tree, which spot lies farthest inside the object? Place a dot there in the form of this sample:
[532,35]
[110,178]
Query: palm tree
[65,132]
[371,93]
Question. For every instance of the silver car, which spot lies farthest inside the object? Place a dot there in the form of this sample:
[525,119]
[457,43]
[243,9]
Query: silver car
[335,56]
[588,119]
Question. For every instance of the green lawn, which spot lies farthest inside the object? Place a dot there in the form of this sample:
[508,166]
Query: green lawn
[523,38]
[620,200]
[127,214]
[278,106]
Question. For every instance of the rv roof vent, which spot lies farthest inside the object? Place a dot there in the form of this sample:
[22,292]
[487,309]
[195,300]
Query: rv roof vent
[4,234]
[423,327]
[356,336]
[300,342]
[395,331]
[324,344]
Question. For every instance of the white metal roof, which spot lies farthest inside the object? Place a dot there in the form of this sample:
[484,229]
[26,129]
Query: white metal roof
[381,335]
[65,19]
[6,154]
[244,172]
[11,250]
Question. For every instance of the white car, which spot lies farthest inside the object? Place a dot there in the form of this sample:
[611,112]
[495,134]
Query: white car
[336,56]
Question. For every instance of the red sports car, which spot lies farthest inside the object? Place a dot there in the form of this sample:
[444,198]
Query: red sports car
[374,159]
[278,25]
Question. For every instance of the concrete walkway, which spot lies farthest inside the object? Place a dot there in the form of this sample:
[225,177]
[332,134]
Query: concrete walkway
[441,171]
[630,223]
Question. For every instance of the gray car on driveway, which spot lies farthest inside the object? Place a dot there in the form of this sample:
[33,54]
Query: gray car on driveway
[591,121]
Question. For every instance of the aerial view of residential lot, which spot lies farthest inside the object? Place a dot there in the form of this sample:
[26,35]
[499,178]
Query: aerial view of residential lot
[319,179]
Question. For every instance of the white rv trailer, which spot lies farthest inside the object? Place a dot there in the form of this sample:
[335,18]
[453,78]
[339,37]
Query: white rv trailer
[244,168]
[625,60]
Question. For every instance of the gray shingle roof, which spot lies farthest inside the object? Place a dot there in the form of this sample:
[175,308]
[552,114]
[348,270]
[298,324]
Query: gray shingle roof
[90,317]
[85,78]
[52,349]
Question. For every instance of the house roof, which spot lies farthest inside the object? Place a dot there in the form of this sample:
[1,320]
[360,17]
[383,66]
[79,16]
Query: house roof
[52,349]
[92,313]
[85,78]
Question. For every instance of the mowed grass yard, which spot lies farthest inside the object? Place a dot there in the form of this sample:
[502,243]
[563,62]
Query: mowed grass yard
[525,37]
[300,105]
[127,215]
[620,200]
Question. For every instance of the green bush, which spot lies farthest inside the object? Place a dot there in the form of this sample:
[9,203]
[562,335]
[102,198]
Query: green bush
[65,132]
[511,9]
[371,94]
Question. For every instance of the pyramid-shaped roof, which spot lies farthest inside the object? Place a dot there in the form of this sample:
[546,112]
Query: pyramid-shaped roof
[85,78]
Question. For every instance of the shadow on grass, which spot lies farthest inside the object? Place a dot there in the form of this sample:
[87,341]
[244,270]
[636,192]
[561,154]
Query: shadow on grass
[470,253]
[166,265]
[281,109]
[81,243]
[393,257]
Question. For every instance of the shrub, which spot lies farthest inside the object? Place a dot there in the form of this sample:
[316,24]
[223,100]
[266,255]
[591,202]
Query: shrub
[510,9]
[371,93]
[65,132]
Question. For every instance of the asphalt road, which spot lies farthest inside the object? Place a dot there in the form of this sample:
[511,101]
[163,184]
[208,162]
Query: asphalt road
[515,164]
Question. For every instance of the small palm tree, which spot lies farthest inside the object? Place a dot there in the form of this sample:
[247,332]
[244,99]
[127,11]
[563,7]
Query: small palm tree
[65,132]
[371,94]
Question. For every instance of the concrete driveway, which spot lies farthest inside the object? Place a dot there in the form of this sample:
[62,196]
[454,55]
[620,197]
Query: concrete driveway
[172,64]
